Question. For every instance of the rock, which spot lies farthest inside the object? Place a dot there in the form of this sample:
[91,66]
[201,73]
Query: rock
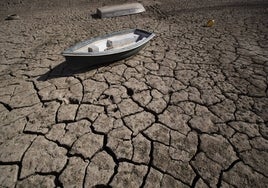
[73,174]
[44,157]
[100,170]
[12,17]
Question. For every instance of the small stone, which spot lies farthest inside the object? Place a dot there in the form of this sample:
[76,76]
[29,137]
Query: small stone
[12,17]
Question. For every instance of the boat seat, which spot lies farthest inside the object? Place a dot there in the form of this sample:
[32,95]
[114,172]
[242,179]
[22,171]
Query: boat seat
[117,42]
[93,48]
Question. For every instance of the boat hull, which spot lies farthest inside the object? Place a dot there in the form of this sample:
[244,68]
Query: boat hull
[106,56]
[96,60]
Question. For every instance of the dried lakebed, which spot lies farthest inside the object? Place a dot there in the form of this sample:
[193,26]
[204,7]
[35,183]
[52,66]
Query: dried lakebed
[190,110]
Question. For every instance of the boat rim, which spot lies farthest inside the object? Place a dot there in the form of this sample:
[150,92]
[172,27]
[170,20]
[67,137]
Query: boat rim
[70,51]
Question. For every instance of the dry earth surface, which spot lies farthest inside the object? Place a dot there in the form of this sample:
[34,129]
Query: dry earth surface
[190,110]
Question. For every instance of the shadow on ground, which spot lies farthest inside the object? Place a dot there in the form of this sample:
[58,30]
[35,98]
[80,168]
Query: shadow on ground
[70,68]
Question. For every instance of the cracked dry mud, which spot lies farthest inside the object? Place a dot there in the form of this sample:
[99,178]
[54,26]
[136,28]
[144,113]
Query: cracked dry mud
[189,110]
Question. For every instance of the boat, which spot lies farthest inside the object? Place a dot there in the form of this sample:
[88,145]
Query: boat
[109,48]
[120,10]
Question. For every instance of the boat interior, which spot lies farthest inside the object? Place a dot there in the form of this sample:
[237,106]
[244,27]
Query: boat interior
[113,43]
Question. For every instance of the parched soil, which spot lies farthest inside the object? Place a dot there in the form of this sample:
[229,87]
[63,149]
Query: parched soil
[189,110]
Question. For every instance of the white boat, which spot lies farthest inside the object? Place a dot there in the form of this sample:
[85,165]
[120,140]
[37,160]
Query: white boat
[120,10]
[109,48]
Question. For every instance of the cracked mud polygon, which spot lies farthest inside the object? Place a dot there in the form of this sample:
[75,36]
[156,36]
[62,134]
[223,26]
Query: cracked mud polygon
[189,110]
